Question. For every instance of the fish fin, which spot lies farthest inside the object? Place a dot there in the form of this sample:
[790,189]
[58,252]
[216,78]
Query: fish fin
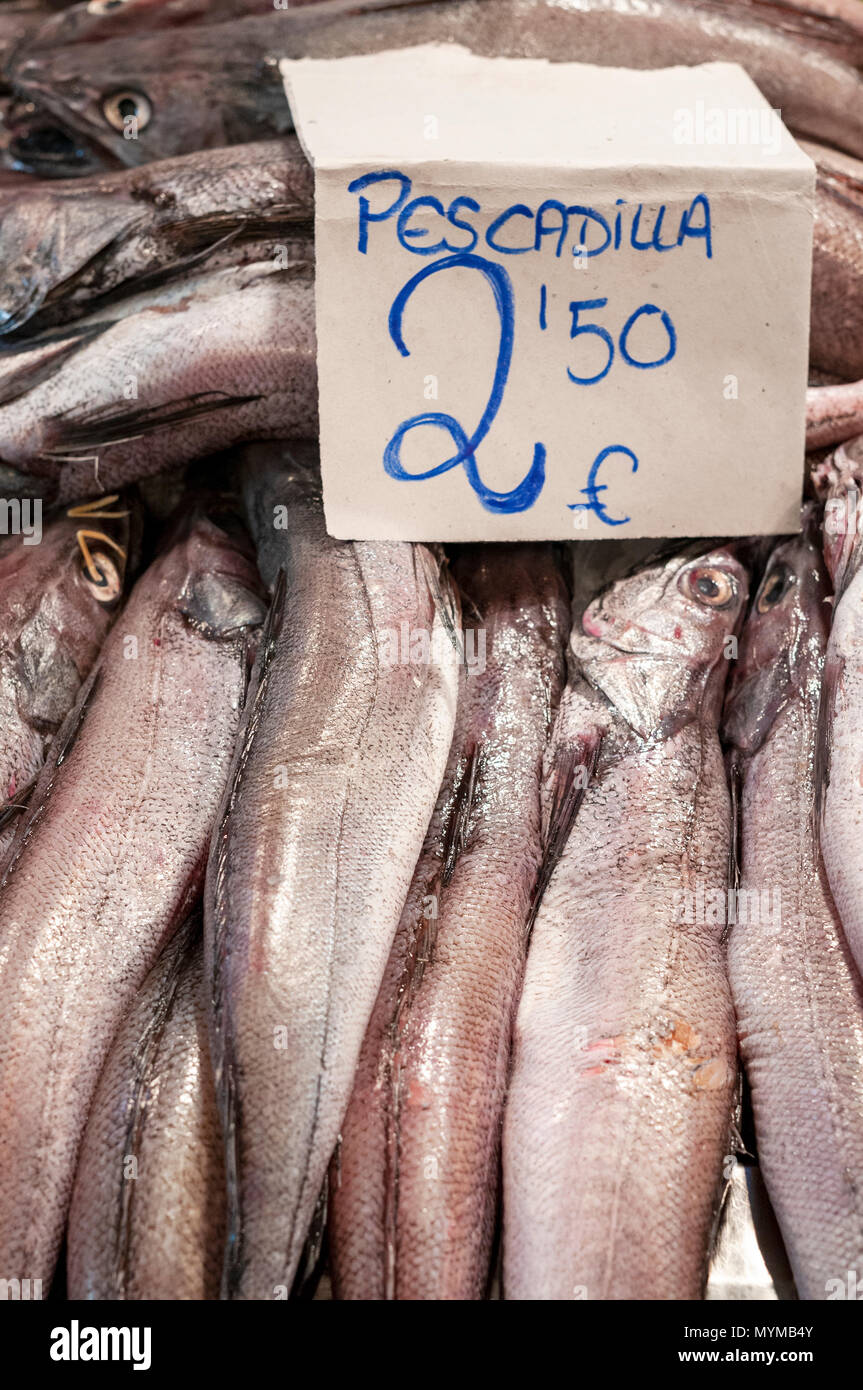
[735,787]
[214,901]
[103,429]
[435,566]
[831,678]
[312,1259]
[457,828]
[60,747]
[58,348]
[573,768]
[171,962]
[18,803]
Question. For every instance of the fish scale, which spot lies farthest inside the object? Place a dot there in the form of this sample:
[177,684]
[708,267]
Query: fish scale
[154,1231]
[109,861]
[414,1186]
[223,86]
[619,1112]
[797,992]
[333,785]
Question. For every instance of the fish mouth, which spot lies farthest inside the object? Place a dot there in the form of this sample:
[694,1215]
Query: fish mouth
[594,646]
[41,146]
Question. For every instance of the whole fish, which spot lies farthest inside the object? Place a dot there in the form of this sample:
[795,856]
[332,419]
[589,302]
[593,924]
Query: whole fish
[178,374]
[332,789]
[223,86]
[148,1211]
[797,992]
[413,1191]
[60,590]
[66,248]
[109,862]
[836,326]
[840,734]
[624,1071]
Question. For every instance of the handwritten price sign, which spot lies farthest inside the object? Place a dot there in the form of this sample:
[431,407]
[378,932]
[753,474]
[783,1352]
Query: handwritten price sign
[549,311]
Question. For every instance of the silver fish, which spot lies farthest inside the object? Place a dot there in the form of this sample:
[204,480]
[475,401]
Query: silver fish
[176,374]
[836,325]
[109,862]
[413,1191]
[840,736]
[67,247]
[797,992]
[58,599]
[222,85]
[332,788]
[148,1211]
[620,1107]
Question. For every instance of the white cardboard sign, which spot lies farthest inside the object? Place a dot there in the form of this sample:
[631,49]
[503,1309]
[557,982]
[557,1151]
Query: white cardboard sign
[555,300]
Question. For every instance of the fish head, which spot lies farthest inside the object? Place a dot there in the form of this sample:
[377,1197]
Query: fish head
[838,482]
[220,591]
[65,591]
[783,638]
[129,101]
[652,640]
[63,123]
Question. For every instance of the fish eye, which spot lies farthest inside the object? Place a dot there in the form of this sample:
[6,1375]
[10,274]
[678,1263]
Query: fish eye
[711,586]
[104,6]
[119,107]
[775,587]
[110,584]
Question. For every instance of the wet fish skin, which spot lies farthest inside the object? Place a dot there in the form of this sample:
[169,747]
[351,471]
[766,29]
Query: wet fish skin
[334,782]
[64,246]
[838,787]
[68,417]
[818,91]
[836,326]
[797,992]
[413,1191]
[624,1070]
[156,1232]
[83,23]
[109,862]
[833,414]
[54,617]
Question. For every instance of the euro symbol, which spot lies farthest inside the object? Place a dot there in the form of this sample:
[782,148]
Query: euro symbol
[594,502]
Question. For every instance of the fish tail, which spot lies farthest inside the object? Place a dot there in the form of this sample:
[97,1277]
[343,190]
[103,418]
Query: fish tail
[216,913]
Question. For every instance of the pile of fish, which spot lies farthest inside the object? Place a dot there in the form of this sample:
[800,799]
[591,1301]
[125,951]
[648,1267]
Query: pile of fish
[380,922]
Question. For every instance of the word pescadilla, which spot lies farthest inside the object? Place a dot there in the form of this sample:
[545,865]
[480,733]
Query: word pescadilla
[566,227]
